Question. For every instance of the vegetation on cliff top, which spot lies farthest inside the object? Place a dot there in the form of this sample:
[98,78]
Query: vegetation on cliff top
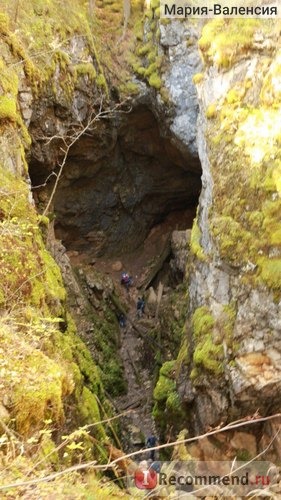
[226,41]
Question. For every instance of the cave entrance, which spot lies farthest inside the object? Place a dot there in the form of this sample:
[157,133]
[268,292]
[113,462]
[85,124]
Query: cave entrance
[122,183]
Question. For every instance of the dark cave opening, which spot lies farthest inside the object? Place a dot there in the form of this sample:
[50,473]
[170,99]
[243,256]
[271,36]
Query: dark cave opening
[119,182]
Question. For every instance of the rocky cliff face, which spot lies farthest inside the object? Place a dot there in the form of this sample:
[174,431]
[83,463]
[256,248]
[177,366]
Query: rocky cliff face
[48,377]
[119,181]
[132,168]
[234,339]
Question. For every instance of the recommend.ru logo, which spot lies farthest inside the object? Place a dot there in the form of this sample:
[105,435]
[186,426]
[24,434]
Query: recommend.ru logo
[227,478]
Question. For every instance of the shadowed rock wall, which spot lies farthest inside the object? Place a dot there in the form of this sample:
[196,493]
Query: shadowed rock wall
[119,181]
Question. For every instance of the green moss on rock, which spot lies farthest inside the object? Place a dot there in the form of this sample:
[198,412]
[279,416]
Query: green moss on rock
[208,336]
[224,41]
[209,356]
[155,81]
[244,218]
[270,271]
[86,69]
[202,322]
[211,111]
[167,407]
[89,411]
[8,108]
[195,242]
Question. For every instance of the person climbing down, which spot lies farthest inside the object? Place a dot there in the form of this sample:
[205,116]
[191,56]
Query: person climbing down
[140,307]
[150,443]
[122,320]
[126,280]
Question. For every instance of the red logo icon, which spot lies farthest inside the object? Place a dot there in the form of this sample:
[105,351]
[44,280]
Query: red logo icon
[145,479]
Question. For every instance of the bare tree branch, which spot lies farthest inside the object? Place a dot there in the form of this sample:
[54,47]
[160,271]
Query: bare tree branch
[94,466]
[73,139]
[44,183]
[66,441]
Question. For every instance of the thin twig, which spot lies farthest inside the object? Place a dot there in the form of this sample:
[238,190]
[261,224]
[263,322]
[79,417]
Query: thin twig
[93,464]
[73,139]
[66,441]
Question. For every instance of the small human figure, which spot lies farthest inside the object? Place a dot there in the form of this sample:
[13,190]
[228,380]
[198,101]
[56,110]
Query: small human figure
[122,320]
[156,466]
[150,443]
[126,280]
[140,307]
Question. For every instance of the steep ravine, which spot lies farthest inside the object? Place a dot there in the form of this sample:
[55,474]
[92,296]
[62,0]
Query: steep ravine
[140,168]
[204,250]
[130,357]
[126,186]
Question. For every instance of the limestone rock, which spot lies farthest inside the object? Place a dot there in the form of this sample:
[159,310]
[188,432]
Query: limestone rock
[183,62]
[136,436]
[180,248]
[152,297]
[251,377]
[244,441]
[117,266]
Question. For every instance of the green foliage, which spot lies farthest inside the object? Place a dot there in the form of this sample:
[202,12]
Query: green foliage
[270,271]
[202,322]
[167,407]
[173,403]
[195,242]
[172,318]
[43,366]
[4,23]
[211,111]
[165,21]
[154,4]
[245,216]
[104,342]
[130,88]
[46,371]
[224,41]
[33,382]
[208,355]
[86,69]
[89,410]
[163,388]
[167,369]
[148,62]
[155,81]
[8,108]
[208,337]
[9,79]
[42,43]
[101,81]
[226,324]
[183,355]
[48,452]
[194,374]
[172,315]
[143,50]
[197,78]
[270,94]
[231,236]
